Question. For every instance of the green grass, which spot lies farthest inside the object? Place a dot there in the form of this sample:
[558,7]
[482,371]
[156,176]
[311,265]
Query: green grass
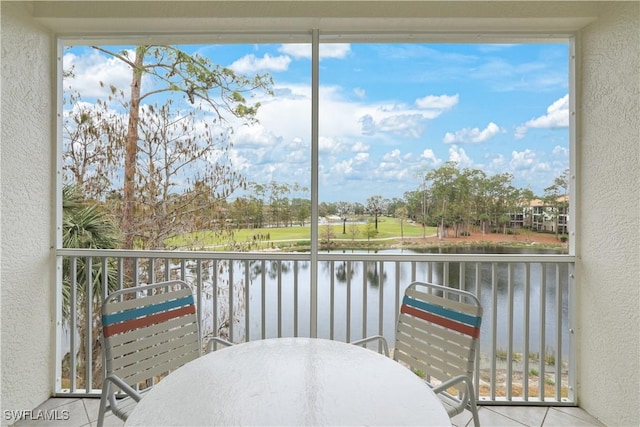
[388,228]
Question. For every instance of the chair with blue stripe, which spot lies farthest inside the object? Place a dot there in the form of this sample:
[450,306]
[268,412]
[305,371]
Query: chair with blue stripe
[147,332]
[437,335]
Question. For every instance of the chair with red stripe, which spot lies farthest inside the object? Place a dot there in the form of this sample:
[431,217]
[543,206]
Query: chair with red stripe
[148,331]
[437,336]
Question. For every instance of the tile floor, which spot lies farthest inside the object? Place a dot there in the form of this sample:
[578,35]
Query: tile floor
[84,412]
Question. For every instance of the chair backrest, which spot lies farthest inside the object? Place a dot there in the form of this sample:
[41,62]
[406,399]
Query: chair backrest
[149,331]
[437,331]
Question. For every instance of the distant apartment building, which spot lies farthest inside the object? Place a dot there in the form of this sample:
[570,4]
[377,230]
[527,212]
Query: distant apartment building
[541,215]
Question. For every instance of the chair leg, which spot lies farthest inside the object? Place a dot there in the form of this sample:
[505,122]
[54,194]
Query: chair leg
[472,404]
[106,386]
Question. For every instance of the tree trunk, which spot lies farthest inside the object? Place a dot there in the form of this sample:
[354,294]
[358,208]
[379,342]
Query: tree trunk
[131,150]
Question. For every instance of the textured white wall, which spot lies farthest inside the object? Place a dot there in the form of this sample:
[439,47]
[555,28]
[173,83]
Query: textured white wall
[26,280]
[609,271]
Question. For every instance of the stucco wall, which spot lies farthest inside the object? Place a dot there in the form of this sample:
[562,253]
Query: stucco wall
[26,178]
[608,280]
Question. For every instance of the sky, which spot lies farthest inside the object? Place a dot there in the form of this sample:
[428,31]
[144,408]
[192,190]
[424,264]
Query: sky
[387,112]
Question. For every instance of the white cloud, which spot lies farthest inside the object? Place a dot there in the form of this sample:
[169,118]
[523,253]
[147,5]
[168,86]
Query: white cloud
[459,156]
[251,64]
[361,158]
[561,151]
[474,135]
[327,50]
[430,157]
[359,92]
[557,117]
[92,69]
[393,156]
[523,160]
[360,147]
[441,102]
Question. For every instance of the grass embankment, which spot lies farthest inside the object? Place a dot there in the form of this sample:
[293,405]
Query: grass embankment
[390,234]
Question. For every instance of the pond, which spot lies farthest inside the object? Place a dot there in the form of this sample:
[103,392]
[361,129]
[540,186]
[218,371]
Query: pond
[342,288]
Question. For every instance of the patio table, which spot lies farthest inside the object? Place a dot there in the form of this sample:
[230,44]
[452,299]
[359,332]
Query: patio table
[290,381]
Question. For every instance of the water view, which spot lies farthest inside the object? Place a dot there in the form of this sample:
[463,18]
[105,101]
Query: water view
[351,294]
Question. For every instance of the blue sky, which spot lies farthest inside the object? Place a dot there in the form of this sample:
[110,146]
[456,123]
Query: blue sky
[389,112]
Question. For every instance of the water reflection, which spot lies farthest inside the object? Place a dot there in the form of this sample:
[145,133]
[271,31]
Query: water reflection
[516,308]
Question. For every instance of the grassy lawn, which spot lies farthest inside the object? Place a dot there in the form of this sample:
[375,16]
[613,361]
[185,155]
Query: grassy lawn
[388,228]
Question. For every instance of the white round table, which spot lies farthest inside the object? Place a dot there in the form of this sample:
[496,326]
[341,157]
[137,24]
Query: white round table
[290,381]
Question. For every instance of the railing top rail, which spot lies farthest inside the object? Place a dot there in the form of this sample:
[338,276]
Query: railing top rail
[306,256]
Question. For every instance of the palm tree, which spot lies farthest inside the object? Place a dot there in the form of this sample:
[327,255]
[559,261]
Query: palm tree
[88,226]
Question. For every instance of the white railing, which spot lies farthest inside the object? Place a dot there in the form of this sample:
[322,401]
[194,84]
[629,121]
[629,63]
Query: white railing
[526,340]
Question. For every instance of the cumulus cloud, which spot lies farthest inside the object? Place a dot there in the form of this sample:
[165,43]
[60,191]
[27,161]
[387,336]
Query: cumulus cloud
[430,157]
[458,155]
[94,72]
[523,159]
[404,120]
[251,64]
[473,136]
[557,117]
[327,50]
[435,102]
[360,147]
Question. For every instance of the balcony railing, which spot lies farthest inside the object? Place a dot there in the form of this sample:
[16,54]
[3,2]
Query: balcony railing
[526,353]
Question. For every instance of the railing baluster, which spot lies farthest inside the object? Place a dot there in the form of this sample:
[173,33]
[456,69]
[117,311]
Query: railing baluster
[214,298]
[543,329]
[73,324]
[494,327]
[332,295]
[279,299]
[525,351]
[263,301]
[88,324]
[247,300]
[364,298]
[559,328]
[381,303]
[510,298]
[296,297]
[348,326]
[199,292]
[230,299]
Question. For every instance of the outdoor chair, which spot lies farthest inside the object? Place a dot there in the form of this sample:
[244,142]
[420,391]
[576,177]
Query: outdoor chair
[148,331]
[436,337]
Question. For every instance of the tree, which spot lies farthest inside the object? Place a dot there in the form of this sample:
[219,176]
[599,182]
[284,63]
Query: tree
[376,206]
[328,235]
[178,186]
[88,226]
[92,145]
[443,189]
[343,209]
[175,71]
[401,214]
[556,196]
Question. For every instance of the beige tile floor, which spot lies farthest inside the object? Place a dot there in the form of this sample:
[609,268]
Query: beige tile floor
[84,412]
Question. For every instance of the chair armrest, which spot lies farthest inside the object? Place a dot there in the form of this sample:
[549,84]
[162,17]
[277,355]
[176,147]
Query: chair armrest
[451,382]
[124,387]
[380,338]
[216,340]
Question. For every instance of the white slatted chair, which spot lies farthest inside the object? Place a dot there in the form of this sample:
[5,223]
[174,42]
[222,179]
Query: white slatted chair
[148,331]
[437,335]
